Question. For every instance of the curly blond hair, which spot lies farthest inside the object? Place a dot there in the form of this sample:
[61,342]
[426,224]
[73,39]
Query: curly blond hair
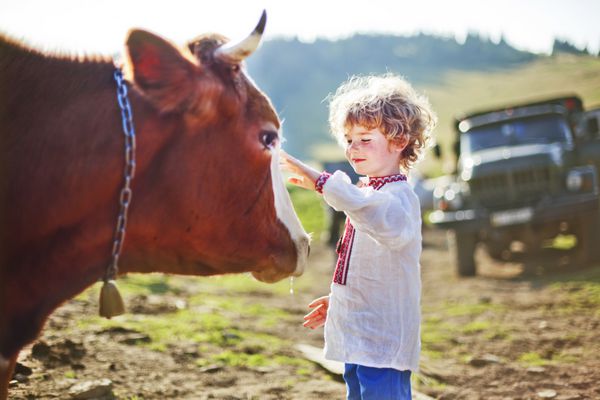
[387,102]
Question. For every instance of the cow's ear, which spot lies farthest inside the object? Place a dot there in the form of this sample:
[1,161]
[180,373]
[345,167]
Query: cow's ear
[160,70]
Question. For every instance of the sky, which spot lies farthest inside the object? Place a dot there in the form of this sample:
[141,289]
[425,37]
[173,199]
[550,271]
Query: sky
[100,26]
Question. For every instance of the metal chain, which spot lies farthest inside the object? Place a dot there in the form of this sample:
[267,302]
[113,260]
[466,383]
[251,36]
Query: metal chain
[129,172]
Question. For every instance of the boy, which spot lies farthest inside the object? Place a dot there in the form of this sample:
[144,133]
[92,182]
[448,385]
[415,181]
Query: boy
[372,314]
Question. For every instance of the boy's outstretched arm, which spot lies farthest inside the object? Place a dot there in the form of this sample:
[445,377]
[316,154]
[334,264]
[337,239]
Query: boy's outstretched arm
[307,175]
[316,318]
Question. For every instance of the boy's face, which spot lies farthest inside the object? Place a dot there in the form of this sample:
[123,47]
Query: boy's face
[370,153]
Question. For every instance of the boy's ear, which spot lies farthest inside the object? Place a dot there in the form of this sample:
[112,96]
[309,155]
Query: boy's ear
[400,145]
[160,70]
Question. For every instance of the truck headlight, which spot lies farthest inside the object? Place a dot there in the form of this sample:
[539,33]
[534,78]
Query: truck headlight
[448,199]
[574,180]
[581,179]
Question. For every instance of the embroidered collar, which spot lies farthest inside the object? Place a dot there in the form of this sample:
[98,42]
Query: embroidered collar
[377,182]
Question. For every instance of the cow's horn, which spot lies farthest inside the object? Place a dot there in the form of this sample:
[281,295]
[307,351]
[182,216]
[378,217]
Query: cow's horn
[242,49]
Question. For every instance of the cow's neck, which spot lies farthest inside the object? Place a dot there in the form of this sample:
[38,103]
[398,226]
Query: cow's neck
[60,209]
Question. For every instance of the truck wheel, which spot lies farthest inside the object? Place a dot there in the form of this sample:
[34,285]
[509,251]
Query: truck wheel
[497,251]
[464,248]
[587,232]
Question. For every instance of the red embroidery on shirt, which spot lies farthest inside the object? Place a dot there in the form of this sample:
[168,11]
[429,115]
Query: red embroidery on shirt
[344,250]
[321,180]
[344,247]
[378,181]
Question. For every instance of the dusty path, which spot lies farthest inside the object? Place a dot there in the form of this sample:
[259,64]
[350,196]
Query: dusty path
[522,330]
[501,335]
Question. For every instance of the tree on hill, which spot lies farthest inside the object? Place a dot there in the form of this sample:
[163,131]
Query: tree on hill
[564,46]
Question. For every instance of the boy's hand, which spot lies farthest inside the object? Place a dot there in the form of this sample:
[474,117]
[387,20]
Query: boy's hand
[316,318]
[307,175]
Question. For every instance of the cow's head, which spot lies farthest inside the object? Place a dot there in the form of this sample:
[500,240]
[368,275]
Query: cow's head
[210,199]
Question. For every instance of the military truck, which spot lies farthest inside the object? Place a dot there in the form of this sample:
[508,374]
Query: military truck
[525,173]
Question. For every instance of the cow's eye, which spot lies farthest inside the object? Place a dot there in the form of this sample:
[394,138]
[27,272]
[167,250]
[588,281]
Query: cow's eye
[235,68]
[268,138]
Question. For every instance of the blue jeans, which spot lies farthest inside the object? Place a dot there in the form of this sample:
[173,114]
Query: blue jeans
[369,383]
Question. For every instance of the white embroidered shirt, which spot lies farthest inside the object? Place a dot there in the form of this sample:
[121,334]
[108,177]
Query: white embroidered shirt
[374,306]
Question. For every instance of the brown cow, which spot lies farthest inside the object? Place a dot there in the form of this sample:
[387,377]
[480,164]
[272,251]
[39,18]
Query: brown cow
[208,197]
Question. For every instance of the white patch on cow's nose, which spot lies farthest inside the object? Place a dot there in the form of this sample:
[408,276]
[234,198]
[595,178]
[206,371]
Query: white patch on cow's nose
[287,215]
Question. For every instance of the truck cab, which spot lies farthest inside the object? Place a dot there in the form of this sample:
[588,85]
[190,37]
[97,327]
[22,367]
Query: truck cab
[525,173]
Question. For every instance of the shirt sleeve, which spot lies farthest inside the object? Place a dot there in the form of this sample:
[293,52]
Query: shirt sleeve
[390,218]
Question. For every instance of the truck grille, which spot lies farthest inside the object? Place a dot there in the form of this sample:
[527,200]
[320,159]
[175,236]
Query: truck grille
[512,188]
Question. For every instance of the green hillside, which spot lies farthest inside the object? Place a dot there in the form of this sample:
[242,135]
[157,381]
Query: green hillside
[298,76]
[457,77]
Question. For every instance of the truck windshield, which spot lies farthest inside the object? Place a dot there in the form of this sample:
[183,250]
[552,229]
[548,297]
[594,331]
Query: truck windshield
[535,130]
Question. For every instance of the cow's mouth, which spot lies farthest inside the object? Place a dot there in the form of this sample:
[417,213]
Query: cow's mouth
[270,275]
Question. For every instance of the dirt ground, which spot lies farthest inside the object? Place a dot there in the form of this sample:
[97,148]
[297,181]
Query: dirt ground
[504,334]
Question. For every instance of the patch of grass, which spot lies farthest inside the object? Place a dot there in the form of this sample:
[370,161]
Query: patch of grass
[218,338]
[236,359]
[211,319]
[435,333]
[167,329]
[141,284]
[580,292]
[454,309]
[419,380]
[70,375]
[304,372]
[212,322]
[213,291]
[442,322]
[264,317]
[497,332]
[476,327]
[532,359]
[310,210]
[265,358]
[565,358]
[587,295]
[147,284]
[287,360]
[216,329]
[245,283]
[432,354]
[444,327]
[436,338]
